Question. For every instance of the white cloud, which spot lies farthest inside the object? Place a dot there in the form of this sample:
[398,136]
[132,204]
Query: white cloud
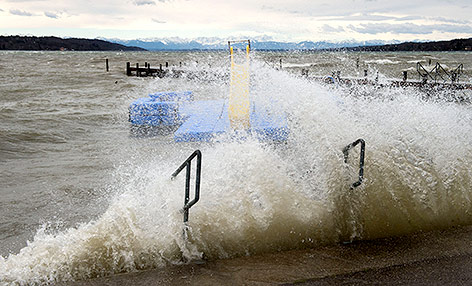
[295,20]
[409,28]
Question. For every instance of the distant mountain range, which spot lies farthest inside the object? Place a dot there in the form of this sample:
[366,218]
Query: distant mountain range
[220,44]
[30,43]
[176,44]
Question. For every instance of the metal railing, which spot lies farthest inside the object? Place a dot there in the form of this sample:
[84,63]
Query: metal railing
[361,161]
[438,71]
[457,72]
[188,166]
[423,72]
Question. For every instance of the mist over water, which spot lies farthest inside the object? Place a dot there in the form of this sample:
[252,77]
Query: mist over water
[107,204]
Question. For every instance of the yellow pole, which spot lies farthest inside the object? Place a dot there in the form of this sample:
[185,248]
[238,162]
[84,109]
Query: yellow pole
[239,104]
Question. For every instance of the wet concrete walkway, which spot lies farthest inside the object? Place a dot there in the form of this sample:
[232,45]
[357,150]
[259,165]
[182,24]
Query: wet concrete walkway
[431,258]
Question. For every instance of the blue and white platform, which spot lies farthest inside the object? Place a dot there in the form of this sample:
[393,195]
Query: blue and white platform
[207,120]
[159,109]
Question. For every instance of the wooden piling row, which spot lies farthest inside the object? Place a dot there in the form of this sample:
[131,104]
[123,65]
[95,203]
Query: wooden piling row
[147,70]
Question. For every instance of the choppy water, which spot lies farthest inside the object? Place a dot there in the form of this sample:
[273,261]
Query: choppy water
[82,197]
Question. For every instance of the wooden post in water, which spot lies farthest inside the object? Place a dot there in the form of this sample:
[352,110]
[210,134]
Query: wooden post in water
[106,61]
[128,69]
[180,64]
[405,75]
[167,64]
[137,69]
[365,73]
[280,63]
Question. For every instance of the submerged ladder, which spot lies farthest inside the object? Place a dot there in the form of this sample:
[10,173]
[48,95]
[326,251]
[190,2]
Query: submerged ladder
[361,160]
[187,164]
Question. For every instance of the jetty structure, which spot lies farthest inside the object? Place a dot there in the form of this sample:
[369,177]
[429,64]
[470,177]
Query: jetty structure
[236,115]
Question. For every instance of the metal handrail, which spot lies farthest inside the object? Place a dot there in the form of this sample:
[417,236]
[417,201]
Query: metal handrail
[361,161]
[456,73]
[420,68]
[438,68]
[188,165]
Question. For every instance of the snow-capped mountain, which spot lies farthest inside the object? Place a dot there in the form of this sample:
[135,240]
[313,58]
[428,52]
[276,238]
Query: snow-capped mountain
[264,43]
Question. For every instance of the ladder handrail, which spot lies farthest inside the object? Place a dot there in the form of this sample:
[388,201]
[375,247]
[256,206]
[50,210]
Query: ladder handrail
[456,73]
[188,165]
[439,67]
[425,73]
[361,161]
[438,70]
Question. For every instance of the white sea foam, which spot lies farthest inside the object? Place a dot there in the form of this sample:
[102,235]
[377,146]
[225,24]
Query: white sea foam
[382,62]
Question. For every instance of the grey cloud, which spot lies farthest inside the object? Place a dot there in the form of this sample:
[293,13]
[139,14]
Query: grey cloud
[144,2]
[409,18]
[448,20]
[269,8]
[277,10]
[331,29]
[158,21]
[438,19]
[409,28]
[51,15]
[20,13]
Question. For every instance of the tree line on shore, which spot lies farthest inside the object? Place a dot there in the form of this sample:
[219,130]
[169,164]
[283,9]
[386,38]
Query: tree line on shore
[32,43]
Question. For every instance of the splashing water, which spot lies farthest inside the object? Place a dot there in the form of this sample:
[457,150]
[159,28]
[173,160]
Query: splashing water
[258,197]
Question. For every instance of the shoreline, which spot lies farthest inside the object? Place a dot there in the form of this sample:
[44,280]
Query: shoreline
[402,260]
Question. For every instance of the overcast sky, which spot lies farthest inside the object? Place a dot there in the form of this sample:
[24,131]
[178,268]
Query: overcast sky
[280,20]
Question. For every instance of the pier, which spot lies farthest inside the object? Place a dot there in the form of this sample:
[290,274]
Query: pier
[148,71]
